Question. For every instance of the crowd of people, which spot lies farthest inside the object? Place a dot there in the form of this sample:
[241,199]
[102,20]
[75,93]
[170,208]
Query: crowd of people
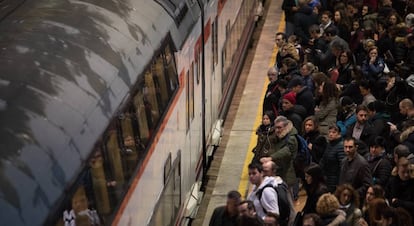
[344,81]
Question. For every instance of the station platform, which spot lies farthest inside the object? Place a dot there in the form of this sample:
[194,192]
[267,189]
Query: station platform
[228,170]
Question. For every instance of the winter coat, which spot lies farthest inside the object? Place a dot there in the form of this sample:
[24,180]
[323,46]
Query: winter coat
[318,142]
[305,98]
[272,97]
[344,124]
[263,141]
[379,123]
[312,197]
[327,115]
[352,90]
[353,214]
[303,19]
[403,192]
[345,74]
[283,152]
[331,163]
[356,173]
[334,219]
[380,168]
[221,217]
[372,72]
[367,132]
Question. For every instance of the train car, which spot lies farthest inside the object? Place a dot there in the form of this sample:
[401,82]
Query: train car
[109,109]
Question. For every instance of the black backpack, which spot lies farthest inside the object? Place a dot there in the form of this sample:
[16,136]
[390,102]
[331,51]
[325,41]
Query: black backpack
[282,200]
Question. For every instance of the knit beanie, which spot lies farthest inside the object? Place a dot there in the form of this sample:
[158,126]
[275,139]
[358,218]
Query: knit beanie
[291,97]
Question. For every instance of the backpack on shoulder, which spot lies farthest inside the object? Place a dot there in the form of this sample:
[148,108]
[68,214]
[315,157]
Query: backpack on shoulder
[303,156]
[282,200]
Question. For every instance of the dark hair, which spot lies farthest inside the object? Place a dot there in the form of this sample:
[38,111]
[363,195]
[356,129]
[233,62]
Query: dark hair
[378,106]
[313,216]
[378,141]
[329,91]
[331,30]
[256,165]
[234,195]
[250,204]
[365,84]
[282,83]
[402,150]
[314,28]
[315,171]
[271,116]
[349,138]
[378,191]
[350,56]
[284,37]
[361,107]
[335,127]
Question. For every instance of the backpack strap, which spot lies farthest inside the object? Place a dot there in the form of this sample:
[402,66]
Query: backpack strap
[259,194]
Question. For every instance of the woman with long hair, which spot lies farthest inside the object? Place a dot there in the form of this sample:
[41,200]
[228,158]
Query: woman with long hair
[263,132]
[314,185]
[327,110]
[343,23]
[316,142]
[373,192]
[349,202]
[345,64]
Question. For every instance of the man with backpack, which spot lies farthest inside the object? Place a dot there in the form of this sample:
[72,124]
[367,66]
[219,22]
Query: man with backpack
[270,195]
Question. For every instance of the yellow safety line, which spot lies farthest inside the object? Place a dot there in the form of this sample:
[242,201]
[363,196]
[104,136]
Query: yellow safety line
[244,178]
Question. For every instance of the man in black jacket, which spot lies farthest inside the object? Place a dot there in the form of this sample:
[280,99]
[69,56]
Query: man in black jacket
[227,215]
[355,169]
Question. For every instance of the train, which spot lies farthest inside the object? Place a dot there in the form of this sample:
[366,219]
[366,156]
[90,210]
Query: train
[110,110]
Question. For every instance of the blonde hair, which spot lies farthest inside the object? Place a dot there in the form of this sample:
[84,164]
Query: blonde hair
[327,204]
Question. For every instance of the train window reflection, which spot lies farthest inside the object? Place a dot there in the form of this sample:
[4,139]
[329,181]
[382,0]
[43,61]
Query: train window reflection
[103,182]
[150,98]
[171,71]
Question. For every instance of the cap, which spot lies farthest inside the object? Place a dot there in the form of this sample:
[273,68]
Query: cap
[295,82]
[291,97]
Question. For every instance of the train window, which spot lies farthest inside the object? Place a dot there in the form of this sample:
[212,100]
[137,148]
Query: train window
[169,203]
[101,185]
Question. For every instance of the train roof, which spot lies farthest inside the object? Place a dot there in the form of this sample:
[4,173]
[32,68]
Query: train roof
[65,68]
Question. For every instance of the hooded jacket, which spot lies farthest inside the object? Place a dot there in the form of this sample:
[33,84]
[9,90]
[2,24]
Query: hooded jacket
[268,200]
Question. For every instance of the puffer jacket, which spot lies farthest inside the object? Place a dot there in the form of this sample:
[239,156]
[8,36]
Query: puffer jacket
[331,163]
